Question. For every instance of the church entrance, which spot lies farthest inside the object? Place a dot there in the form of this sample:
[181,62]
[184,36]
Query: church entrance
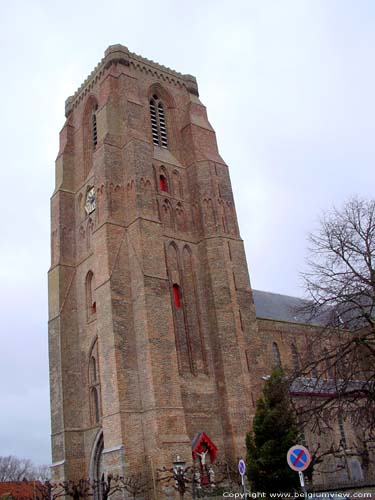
[97,468]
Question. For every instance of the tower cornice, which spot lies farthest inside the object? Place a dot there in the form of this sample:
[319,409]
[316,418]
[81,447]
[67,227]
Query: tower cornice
[119,54]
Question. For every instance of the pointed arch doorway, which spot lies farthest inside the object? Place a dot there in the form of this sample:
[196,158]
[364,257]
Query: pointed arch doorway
[96,465]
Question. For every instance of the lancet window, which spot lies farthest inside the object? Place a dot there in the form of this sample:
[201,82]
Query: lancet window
[94,385]
[90,296]
[276,355]
[158,123]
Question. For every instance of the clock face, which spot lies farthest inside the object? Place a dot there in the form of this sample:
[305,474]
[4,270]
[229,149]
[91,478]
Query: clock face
[90,204]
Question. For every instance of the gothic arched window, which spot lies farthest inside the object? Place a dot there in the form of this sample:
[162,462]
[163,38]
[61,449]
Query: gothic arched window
[97,469]
[94,385]
[95,405]
[295,361]
[94,127]
[90,296]
[158,125]
[355,470]
[276,355]
[163,183]
[90,133]
[303,436]
[342,431]
[328,365]
[93,370]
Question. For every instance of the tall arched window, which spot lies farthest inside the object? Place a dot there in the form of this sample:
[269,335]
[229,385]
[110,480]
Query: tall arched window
[158,125]
[94,127]
[342,431]
[328,365]
[295,361]
[355,470]
[90,296]
[95,405]
[93,371]
[276,355]
[90,133]
[94,385]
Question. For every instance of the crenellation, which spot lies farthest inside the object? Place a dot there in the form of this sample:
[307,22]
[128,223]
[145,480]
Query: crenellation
[119,54]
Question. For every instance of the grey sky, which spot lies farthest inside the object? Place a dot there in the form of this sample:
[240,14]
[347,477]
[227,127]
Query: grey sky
[289,89]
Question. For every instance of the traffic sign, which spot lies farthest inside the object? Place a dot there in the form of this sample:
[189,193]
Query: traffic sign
[241,467]
[298,458]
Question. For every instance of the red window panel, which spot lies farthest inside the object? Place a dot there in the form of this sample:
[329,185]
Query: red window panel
[176,295]
[163,183]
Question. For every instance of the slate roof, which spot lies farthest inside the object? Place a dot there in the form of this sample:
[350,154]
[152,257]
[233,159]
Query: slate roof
[282,308]
[321,387]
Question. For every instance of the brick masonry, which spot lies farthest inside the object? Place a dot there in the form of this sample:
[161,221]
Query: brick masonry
[162,373]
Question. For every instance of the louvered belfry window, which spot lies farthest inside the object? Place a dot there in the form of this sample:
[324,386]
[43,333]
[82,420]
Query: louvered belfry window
[94,128]
[158,126]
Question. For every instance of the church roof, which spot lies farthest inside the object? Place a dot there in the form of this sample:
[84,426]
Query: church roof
[321,387]
[279,307]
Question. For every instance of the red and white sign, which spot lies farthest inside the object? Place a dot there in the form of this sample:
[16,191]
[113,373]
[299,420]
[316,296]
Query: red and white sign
[298,458]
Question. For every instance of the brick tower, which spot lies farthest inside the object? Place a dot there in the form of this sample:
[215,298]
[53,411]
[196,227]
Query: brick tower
[150,307]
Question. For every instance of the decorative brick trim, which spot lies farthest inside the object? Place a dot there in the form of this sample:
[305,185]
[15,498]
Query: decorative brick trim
[119,54]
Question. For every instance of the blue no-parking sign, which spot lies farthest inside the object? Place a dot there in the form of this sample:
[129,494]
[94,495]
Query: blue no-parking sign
[241,467]
[298,458]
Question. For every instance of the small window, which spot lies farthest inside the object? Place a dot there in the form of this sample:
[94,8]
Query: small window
[163,183]
[95,403]
[176,296]
[276,355]
[158,123]
[295,361]
[328,365]
[90,300]
[93,374]
[303,437]
[356,470]
[342,432]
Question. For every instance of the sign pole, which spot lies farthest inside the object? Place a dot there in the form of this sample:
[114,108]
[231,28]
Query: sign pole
[302,481]
[299,458]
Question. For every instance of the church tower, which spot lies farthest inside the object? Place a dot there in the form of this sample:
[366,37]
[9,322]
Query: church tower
[152,328]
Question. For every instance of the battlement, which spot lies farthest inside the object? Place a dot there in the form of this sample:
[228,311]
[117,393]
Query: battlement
[119,54]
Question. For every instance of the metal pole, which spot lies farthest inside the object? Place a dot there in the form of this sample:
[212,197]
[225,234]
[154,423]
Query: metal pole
[243,484]
[302,481]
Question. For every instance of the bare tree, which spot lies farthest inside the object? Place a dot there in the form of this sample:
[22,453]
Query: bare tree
[341,286]
[19,469]
[41,472]
[15,469]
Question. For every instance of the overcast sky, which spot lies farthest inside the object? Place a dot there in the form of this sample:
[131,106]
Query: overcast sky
[289,88]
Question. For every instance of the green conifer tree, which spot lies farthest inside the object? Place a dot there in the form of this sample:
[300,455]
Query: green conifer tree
[275,430]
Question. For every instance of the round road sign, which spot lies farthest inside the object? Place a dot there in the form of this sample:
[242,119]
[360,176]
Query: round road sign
[298,458]
[241,467]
